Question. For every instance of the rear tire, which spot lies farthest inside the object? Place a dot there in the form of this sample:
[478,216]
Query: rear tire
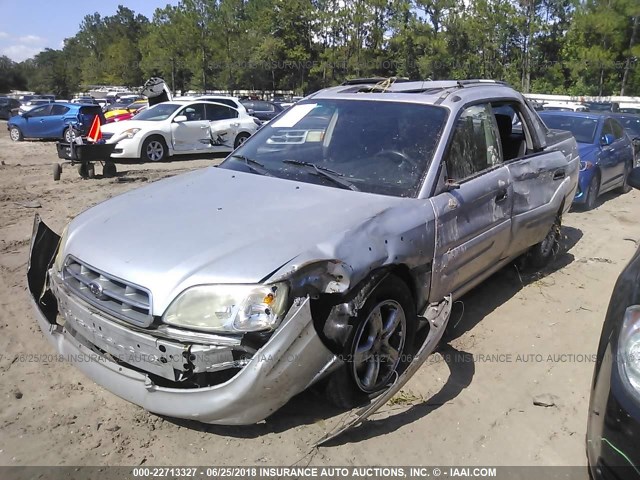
[15,134]
[626,188]
[541,254]
[240,139]
[70,134]
[154,149]
[379,346]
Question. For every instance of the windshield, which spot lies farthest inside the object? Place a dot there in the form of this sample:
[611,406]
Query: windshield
[376,147]
[157,113]
[584,129]
[631,124]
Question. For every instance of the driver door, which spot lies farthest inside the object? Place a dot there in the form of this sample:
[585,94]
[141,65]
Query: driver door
[223,126]
[192,134]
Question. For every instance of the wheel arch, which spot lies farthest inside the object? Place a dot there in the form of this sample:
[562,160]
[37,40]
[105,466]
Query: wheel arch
[151,134]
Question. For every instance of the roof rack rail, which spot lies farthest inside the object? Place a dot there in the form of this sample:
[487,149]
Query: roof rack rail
[476,81]
[374,80]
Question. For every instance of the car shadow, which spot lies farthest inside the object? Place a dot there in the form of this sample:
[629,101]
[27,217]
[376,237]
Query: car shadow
[310,407]
[471,308]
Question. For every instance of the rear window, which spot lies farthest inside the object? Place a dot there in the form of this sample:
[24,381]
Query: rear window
[91,110]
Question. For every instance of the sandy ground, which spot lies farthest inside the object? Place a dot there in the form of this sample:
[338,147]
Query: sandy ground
[505,346]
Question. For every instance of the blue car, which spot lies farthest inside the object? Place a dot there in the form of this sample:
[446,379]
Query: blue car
[54,120]
[606,152]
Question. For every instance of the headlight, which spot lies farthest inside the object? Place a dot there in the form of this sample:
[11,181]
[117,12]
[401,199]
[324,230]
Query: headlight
[585,165]
[59,260]
[130,133]
[229,308]
[629,347]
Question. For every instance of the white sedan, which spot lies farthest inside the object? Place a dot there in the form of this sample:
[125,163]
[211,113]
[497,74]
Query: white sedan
[173,128]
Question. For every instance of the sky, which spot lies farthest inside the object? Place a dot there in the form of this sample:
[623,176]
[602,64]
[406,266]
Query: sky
[29,26]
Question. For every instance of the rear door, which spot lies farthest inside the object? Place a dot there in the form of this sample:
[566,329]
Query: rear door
[223,126]
[612,156]
[191,135]
[536,175]
[474,216]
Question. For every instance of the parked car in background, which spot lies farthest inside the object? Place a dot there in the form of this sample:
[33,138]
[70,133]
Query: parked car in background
[633,108]
[122,115]
[31,104]
[124,103]
[613,427]
[178,127]
[8,107]
[120,109]
[565,106]
[416,193]
[606,152]
[54,120]
[262,110]
[631,125]
[84,100]
[600,106]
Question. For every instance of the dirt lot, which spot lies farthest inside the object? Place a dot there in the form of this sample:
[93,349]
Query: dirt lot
[505,347]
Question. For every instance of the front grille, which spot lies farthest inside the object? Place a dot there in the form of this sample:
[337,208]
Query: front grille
[121,299]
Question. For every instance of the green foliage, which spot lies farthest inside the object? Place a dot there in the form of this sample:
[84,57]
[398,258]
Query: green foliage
[546,46]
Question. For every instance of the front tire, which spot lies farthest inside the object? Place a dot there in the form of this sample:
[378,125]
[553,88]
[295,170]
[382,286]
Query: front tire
[592,193]
[154,149]
[15,134]
[379,346]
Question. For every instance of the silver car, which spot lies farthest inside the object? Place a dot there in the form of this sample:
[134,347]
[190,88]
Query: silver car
[317,252]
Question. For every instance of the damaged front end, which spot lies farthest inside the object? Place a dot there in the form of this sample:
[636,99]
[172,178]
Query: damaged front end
[172,371]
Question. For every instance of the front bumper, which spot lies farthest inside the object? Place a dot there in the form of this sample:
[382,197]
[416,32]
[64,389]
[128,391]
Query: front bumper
[613,430]
[127,148]
[584,179]
[292,359]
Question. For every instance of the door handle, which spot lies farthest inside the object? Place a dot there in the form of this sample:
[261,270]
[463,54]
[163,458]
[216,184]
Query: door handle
[502,196]
[235,124]
[204,126]
[558,174]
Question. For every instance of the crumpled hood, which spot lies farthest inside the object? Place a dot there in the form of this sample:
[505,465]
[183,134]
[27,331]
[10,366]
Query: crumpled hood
[588,151]
[218,226]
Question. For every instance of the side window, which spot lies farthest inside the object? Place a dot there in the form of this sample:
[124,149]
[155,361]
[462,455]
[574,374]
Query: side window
[474,146]
[618,131]
[513,130]
[194,112]
[42,111]
[607,129]
[59,110]
[218,112]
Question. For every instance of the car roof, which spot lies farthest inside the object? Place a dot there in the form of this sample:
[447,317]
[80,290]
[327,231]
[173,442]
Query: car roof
[570,113]
[450,93]
[183,102]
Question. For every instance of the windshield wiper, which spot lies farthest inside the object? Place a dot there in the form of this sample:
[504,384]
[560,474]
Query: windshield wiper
[335,177]
[254,165]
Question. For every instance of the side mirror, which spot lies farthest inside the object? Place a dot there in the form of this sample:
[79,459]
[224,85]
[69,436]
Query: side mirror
[634,178]
[180,119]
[607,139]
[251,111]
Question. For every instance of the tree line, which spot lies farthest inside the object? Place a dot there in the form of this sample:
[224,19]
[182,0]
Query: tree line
[589,47]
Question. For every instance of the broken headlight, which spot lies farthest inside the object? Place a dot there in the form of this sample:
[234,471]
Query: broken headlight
[229,308]
[629,347]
